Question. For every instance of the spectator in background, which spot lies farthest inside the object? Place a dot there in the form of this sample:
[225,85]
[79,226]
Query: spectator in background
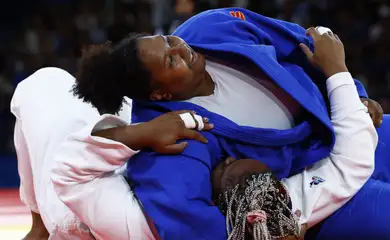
[167,17]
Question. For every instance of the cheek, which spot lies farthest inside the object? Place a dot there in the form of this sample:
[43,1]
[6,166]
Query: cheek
[183,73]
[181,79]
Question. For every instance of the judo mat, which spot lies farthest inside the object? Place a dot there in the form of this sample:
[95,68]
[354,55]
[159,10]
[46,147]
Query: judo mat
[15,217]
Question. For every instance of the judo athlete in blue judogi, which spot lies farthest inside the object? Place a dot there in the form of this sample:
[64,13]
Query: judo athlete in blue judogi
[247,75]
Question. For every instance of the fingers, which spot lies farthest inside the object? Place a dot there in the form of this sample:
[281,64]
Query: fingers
[306,50]
[331,35]
[188,119]
[208,126]
[381,114]
[173,149]
[229,160]
[195,135]
[199,122]
[312,32]
[183,111]
[194,121]
[378,115]
[375,116]
[321,30]
[317,32]
[380,109]
[376,112]
[337,37]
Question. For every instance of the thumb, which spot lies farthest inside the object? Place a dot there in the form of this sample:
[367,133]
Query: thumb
[306,50]
[173,148]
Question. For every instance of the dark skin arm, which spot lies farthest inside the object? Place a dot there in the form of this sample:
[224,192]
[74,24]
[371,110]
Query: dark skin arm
[160,134]
[38,230]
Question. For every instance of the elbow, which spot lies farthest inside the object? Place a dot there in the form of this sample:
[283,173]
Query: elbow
[369,170]
[370,161]
[361,174]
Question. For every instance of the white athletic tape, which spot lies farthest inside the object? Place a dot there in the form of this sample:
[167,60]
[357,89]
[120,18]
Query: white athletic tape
[199,119]
[188,120]
[322,30]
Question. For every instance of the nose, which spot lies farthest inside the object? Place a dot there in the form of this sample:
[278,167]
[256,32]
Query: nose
[181,50]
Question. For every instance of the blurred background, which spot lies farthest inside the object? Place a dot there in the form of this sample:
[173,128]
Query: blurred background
[40,33]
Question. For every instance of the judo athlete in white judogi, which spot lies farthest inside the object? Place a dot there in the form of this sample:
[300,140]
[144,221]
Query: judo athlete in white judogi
[46,113]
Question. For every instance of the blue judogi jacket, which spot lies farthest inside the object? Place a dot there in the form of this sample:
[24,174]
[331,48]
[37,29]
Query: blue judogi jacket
[175,190]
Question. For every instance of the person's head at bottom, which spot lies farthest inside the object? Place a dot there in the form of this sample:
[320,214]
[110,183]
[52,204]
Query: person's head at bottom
[256,205]
[141,67]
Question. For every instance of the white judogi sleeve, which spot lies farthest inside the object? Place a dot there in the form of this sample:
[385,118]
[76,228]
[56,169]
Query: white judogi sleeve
[46,113]
[85,180]
[26,189]
[322,189]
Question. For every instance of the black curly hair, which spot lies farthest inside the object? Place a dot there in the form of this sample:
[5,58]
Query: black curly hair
[107,73]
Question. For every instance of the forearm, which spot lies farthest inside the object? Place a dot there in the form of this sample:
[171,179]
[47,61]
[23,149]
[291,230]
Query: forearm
[127,135]
[351,161]
[356,137]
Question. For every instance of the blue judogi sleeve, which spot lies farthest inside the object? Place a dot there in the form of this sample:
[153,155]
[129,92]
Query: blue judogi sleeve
[246,27]
[175,191]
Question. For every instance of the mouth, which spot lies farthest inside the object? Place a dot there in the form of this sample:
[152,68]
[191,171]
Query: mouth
[194,57]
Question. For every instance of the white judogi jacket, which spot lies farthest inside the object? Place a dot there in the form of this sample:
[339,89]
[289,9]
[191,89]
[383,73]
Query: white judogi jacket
[84,180]
[46,113]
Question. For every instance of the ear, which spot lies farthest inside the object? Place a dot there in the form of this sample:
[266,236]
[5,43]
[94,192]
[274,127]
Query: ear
[156,95]
[159,95]
[167,96]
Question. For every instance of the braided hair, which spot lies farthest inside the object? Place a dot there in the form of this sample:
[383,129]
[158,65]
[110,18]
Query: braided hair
[259,210]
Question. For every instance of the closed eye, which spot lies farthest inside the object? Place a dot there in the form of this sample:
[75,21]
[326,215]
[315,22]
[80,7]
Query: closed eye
[170,61]
[168,40]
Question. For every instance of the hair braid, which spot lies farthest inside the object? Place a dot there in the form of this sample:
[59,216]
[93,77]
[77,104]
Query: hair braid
[263,207]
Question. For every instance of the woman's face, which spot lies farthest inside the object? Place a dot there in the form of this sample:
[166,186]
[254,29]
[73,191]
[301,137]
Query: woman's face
[231,172]
[175,67]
